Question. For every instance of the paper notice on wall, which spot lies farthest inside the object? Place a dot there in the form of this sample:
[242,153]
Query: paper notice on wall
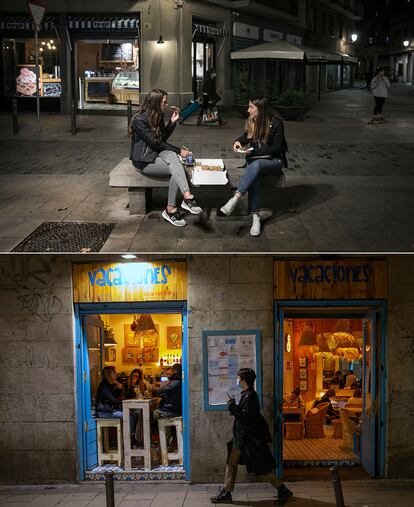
[226,355]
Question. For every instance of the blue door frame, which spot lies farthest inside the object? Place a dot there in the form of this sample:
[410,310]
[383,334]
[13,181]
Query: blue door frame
[349,308]
[160,307]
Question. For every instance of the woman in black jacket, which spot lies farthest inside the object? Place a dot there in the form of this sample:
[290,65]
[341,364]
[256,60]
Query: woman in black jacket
[266,155]
[154,156]
[250,442]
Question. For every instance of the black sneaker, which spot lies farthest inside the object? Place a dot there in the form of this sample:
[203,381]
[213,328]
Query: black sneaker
[175,218]
[191,206]
[223,496]
[284,495]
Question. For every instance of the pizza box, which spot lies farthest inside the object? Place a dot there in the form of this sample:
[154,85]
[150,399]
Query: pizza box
[204,174]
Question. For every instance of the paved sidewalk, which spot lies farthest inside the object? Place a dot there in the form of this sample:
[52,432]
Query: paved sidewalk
[351,184]
[371,493]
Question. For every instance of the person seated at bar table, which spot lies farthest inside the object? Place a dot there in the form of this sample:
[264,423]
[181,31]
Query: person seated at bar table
[136,386]
[295,398]
[170,393]
[109,397]
[355,401]
[331,413]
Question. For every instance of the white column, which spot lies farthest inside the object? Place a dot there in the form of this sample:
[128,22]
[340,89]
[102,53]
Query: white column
[410,76]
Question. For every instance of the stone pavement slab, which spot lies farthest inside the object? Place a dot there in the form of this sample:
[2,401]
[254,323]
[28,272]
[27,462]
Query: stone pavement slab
[351,184]
[361,493]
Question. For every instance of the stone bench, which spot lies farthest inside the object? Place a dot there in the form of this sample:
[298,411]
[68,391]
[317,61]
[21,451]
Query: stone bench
[140,187]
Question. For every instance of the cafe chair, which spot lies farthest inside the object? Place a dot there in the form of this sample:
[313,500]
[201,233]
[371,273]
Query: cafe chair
[102,429]
[337,428]
[349,426]
[315,420]
[178,454]
[294,430]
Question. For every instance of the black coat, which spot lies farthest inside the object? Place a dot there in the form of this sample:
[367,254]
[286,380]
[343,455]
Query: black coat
[107,397]
[251,433]
[275,147]
[144,146]
[171,396]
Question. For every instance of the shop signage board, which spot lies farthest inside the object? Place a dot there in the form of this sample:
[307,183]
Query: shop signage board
[330,279]
[130,282]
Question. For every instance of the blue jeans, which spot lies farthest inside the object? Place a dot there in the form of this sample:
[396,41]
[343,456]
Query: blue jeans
[250,181]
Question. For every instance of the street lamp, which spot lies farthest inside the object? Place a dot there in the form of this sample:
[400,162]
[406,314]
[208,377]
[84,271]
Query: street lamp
[354,37]
[406,43]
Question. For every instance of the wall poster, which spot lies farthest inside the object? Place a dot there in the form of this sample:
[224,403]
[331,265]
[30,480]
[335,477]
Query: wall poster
[224,353]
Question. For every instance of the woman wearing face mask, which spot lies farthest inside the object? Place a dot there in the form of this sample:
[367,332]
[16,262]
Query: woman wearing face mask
[152,155]
[264,132]
[250,442]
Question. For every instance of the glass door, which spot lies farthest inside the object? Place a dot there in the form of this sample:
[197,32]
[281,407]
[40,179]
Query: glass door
[9,67]
[93,331]
[202,55]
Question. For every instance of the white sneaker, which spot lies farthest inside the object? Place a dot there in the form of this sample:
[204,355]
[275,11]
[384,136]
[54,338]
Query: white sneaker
[256,227]
[228,208]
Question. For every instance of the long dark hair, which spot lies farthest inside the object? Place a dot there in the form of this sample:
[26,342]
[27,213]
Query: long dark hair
[152,106]
[259,128]
[140,375]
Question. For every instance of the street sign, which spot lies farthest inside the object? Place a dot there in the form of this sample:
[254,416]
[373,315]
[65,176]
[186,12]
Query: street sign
[37,10]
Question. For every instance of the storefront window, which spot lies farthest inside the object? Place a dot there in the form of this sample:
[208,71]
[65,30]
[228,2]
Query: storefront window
[49,70]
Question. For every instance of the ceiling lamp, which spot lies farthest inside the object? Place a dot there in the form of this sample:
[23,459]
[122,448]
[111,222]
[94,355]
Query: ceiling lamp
[347,345]
[145,325]
[308,344]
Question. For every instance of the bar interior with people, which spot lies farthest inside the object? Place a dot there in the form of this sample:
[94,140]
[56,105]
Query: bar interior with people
[323,386]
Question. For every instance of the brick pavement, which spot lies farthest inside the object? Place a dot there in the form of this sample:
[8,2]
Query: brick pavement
[366,493]
[351,184]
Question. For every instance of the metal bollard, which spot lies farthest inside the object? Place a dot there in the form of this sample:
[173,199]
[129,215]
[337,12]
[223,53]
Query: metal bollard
[15,118]
[336,481]
[109,487]
[129,114]
[73,118]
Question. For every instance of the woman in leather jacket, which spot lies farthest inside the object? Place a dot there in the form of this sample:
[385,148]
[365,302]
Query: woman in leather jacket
[266,155]
[152,155]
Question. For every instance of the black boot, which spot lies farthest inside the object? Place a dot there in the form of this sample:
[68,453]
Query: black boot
[284,495]
[223,496]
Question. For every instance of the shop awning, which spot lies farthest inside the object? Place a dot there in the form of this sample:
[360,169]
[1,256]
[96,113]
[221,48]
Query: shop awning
[283,50]
[102,23]
[12,23]
[270,50]
[348,58]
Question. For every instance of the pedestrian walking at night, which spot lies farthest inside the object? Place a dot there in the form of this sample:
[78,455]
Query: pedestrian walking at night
[210,98]
[152,155]
[249,445]
[264,132]
[379,86]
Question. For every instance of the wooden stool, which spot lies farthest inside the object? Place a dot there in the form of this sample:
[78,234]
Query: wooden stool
[337,428]
[294,430]
[165,455]
[145,407]
[104,453]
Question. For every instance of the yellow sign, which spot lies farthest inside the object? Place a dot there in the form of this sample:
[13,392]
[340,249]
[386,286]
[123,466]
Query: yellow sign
[330,279]
[129,281]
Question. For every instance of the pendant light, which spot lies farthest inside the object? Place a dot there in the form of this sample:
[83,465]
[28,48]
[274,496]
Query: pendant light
[308,344]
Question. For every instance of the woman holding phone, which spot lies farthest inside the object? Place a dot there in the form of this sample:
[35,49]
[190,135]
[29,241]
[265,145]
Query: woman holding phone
[264,132]
[152,155]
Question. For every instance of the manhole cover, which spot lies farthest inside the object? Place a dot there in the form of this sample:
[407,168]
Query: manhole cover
[66,237]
